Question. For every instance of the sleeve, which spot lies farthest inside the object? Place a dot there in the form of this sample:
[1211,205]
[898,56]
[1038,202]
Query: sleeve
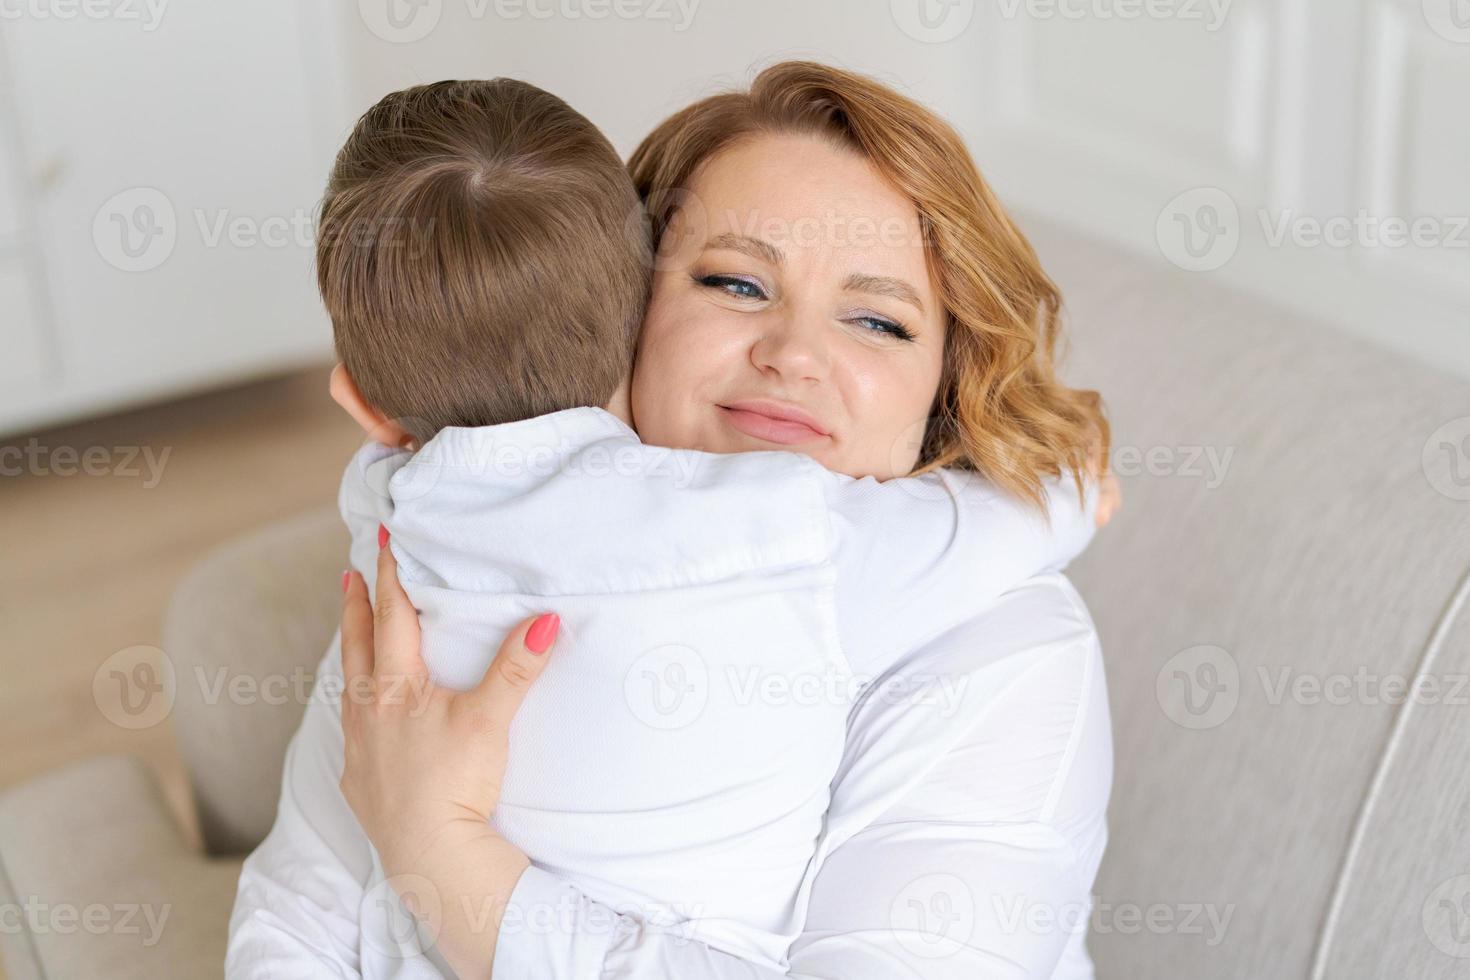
[919,556]
[967,825]
[296,908]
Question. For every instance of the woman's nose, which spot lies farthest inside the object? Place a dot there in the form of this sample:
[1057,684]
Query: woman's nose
[795,347]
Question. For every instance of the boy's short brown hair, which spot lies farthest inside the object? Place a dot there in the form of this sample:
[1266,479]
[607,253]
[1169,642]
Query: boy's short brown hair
[483,256]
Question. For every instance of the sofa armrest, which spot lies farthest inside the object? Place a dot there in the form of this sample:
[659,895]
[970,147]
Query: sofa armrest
[96,880]
[260,608]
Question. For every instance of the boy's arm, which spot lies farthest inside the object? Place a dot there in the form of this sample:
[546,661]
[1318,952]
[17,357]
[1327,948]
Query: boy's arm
[918,556]
[296,909]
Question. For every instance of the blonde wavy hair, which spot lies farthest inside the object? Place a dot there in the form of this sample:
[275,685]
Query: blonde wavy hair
[1000,409]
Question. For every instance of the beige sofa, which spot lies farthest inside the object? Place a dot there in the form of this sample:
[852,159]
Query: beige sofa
[1294,547]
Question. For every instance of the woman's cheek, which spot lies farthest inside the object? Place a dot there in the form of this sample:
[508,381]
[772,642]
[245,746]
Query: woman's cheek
[889,404]
[699,341]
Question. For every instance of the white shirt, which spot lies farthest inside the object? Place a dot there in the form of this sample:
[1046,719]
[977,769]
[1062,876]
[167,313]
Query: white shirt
[769,589]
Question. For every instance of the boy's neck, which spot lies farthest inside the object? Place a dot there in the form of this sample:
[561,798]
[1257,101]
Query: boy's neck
[621,405]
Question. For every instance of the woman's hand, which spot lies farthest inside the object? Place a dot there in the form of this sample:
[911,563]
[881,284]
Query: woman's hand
[424,763]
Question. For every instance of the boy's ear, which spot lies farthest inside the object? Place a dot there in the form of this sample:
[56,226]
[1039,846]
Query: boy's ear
[377,425]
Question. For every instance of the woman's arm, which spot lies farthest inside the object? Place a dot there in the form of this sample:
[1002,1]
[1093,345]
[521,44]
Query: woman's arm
[977,814]
[296,906]
[966,826]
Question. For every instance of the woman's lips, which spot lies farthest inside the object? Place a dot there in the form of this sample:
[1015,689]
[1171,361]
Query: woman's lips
[781,424]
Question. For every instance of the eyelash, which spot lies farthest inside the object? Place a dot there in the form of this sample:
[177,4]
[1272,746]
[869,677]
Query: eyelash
[883,325]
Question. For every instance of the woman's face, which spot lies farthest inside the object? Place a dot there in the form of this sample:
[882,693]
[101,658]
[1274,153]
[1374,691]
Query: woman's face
[792,309]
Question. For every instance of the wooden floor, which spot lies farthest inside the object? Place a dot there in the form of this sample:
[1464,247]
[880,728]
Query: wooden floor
[90,560]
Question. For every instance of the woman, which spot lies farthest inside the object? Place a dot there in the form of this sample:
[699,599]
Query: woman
[967,818]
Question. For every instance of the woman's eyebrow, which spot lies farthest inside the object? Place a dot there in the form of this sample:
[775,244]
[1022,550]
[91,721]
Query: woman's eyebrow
[754,247]
[884,286]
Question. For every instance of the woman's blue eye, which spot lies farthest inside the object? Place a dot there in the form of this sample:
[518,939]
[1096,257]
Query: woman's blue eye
[743,288]
[879,325]
[748,289]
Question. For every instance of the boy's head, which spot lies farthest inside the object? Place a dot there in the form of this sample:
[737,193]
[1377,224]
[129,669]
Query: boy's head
[483,258]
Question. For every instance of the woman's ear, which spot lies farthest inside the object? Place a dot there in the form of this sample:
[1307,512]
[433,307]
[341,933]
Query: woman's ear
[377,425]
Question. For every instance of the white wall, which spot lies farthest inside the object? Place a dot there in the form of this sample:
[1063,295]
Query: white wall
[1313,134]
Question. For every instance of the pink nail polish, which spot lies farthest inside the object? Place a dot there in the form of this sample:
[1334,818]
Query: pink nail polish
[382,537]
[346,579]
[542,632]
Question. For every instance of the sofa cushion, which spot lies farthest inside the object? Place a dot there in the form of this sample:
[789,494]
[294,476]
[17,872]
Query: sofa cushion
[103,881]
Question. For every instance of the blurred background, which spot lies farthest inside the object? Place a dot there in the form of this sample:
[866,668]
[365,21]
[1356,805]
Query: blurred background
[163,354]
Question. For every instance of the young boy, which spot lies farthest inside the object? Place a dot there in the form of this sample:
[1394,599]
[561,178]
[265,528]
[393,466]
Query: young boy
[486,275]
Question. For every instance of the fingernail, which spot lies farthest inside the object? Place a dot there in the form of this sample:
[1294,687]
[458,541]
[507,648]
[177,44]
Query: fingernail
[382,537]
[542,632]
[346,578]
